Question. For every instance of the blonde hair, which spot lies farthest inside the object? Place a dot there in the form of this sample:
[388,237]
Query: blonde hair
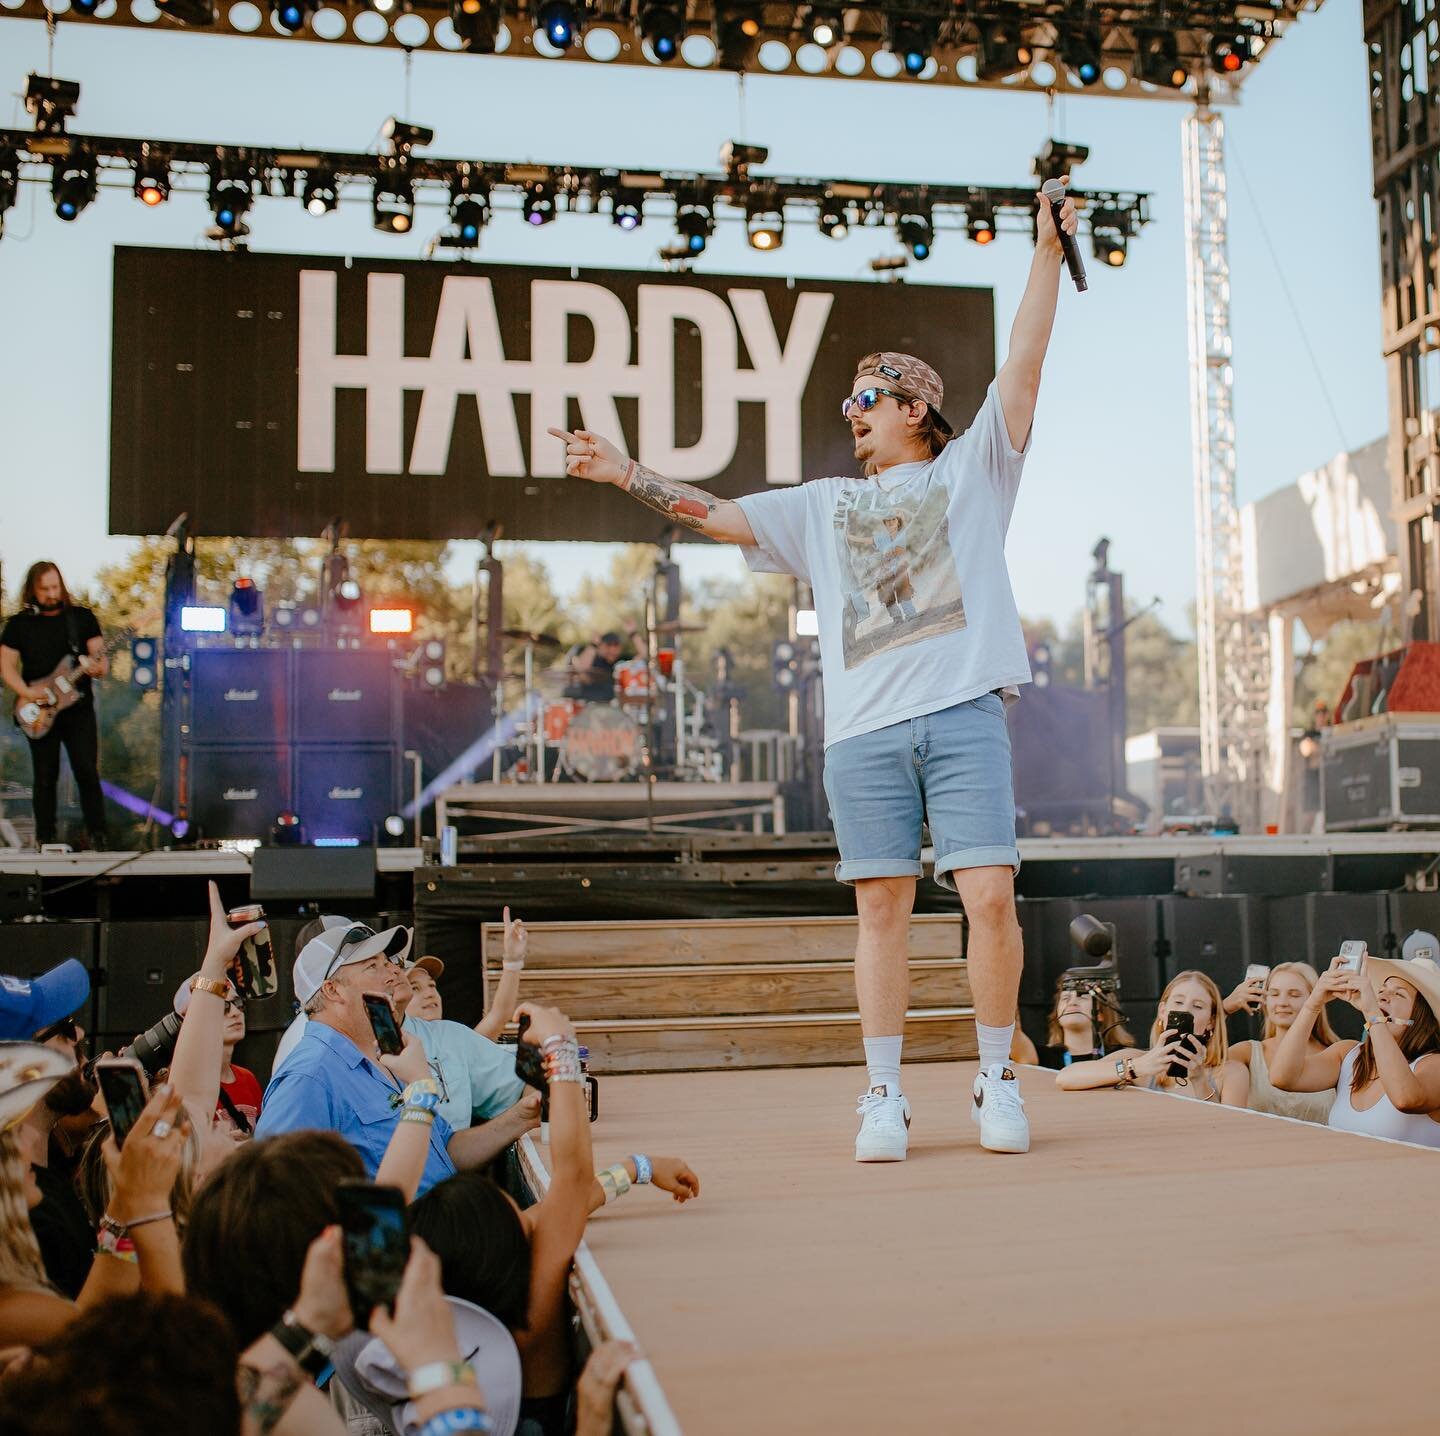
[1323,1032]
[1108,1039]
[928,433]
[21,1267]
[1217,1048]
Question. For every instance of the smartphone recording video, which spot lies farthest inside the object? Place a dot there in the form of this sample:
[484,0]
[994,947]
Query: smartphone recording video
[1183,1024]
[376,1245]
[122,1084]
[384,1024]
[1352,954]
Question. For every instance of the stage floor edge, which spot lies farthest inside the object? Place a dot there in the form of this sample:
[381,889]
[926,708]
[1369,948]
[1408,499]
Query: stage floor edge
[1152,1264]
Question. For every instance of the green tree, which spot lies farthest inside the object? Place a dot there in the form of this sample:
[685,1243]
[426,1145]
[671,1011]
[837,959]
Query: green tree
[1324,671]
[1162,677]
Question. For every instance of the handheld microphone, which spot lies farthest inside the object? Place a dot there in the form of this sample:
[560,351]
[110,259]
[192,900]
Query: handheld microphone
[1054,192]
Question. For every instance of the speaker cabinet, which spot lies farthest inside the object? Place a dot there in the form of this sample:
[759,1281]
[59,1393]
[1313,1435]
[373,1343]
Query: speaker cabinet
[345,696]
[1219,936]
[239,695]
[143,963]
[343,793]
[238,792]
[29,949]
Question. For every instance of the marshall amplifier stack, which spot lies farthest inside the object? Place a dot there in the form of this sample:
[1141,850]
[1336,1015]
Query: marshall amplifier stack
[314,732]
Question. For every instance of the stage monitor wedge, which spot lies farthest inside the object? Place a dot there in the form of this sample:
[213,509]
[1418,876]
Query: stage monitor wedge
[313,875]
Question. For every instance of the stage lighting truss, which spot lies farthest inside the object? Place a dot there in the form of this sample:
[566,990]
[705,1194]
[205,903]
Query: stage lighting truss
[1118,46]
[152,179]
[72,185]
[474,193]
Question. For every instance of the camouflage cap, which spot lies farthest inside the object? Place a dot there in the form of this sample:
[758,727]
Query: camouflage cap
[915,377]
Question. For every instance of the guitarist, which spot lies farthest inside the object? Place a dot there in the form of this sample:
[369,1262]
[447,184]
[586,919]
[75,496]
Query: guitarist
[34,644]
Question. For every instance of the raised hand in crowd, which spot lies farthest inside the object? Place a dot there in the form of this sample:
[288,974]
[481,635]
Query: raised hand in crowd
[595,1391]
[1248,995]
[507,990]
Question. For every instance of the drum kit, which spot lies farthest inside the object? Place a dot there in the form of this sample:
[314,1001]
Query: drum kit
[655,722]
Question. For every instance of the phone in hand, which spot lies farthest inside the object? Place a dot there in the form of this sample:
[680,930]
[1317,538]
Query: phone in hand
[1184,1024]
[1352,954]
[122,1084]
[529,1064]
[253,970]
[384,1024]
[376,1245]
[1256,972]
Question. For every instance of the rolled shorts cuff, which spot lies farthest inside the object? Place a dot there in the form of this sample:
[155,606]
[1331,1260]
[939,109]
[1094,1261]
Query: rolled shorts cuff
[856,868]
[992,857]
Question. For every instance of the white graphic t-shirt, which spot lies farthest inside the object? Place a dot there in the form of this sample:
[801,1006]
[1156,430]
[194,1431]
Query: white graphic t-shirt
[908,569]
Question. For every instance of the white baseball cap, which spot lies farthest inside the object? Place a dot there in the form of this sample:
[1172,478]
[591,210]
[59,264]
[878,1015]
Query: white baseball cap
[327,952]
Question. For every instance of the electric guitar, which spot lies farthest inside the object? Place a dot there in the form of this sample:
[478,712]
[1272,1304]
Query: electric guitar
[35,717]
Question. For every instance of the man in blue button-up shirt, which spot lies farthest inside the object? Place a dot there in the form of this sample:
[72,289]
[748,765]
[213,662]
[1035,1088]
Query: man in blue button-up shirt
[336,1080]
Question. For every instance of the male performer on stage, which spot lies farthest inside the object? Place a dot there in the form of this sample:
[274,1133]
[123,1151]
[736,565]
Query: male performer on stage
[921,642]
[34,643]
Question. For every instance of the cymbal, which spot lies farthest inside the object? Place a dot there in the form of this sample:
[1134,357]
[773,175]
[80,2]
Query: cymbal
[676,626]
[535,640]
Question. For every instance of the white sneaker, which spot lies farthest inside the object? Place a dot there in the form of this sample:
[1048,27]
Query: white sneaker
[999,1110]
[884,1126]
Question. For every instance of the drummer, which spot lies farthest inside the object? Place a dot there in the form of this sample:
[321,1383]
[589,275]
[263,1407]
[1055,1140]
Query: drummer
[592,670]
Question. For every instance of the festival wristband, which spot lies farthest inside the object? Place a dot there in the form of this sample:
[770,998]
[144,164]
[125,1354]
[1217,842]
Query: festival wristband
[436,1375]
[421,1101]
[513,966]
[418,1114]
[614,1181]
[420,1087]
[644,1172]
[120,1247]
[461,1418]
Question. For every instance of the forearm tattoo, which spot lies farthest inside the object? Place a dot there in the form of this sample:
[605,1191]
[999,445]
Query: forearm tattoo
[689,506]
[265,1396]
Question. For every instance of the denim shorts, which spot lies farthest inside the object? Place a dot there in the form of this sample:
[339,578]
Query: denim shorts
[949,769]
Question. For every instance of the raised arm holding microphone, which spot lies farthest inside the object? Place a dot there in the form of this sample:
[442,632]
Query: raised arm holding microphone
[922,647]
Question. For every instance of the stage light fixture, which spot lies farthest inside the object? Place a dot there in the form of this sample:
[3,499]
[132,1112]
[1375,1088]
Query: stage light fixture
[1109,236]
[432,663]
[404,135]
[1001,50]
[1059,157]
[827,27]
[980,223]
[152,182]
[287,831]
[1081,53]
[321,194]
[694,223]
[916,231]
[291,15]
[833,224]
[144,664]
[9,182]
[663,25]
[72,185]
[538,206]
[557,20]
[85,7]
[395,825]
[764,222]
[468,215]
[476,24]
[627,209]
[1230,53]
[201,618]
[200,13]
[52,101]
[737,35]
[911,39]
[1157,59]
[785,665]
[229,201]
[284,615]
[391,620]
[247,608]
[392,208]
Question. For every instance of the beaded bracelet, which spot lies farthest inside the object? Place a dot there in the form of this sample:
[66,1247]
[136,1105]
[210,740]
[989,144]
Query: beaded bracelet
[562,1060]
[459,1418]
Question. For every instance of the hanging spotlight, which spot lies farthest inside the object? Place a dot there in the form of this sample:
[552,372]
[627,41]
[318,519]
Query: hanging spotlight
[538,206]
[152,180]
[72,185]
[469,214]
[1157,59]
[557,19]
[432,663]
[320,194]
[833,224]
[916,231]
[911,40]
[663,25]
[694,223]
[393,205]
[764,221]
[1109,235]
[291,15]
[229,200]
[1080,52]
[144,664]
[200,13]
[1230,53]
[1001,51]
[9,182]
[247,607]
[827,27]
[85,7]
[627,209]
[476,24]
[980,223]
[737,34]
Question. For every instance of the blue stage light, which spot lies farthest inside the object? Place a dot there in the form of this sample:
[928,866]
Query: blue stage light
[196,619]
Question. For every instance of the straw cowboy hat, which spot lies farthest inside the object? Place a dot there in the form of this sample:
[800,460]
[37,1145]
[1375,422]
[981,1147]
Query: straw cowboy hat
[1422,973]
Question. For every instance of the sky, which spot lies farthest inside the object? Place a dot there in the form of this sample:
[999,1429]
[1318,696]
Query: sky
[1111,454]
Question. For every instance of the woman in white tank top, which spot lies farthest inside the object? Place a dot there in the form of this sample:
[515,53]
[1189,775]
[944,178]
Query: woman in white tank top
[1247,1072]
[1388,1085]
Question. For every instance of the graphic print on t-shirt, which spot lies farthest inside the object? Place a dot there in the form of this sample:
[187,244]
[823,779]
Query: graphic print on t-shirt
[897,569]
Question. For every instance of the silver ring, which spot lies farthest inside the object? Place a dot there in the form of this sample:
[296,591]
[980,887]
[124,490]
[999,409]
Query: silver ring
[162,1128]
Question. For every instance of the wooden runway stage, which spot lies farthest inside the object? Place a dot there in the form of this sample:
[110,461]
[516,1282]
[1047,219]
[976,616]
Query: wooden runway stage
[1153,1264]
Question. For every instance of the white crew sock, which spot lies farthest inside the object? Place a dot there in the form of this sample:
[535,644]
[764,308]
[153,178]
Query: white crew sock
[882,1057]
[994,1044]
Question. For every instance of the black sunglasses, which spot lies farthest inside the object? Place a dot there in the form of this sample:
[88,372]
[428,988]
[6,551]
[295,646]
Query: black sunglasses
[66,1027]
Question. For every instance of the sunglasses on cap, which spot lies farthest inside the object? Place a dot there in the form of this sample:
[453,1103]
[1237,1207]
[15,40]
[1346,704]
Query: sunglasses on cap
[867,399]
[66,1027]
[353,937]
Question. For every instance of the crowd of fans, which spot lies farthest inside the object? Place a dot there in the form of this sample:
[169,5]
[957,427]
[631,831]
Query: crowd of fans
[344,1251]
[348,1251]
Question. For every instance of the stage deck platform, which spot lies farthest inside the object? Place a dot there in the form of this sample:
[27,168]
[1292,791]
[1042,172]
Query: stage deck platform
[1154,1264]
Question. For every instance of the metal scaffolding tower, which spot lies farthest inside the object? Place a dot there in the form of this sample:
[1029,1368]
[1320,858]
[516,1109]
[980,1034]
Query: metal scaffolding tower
[1232,645]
